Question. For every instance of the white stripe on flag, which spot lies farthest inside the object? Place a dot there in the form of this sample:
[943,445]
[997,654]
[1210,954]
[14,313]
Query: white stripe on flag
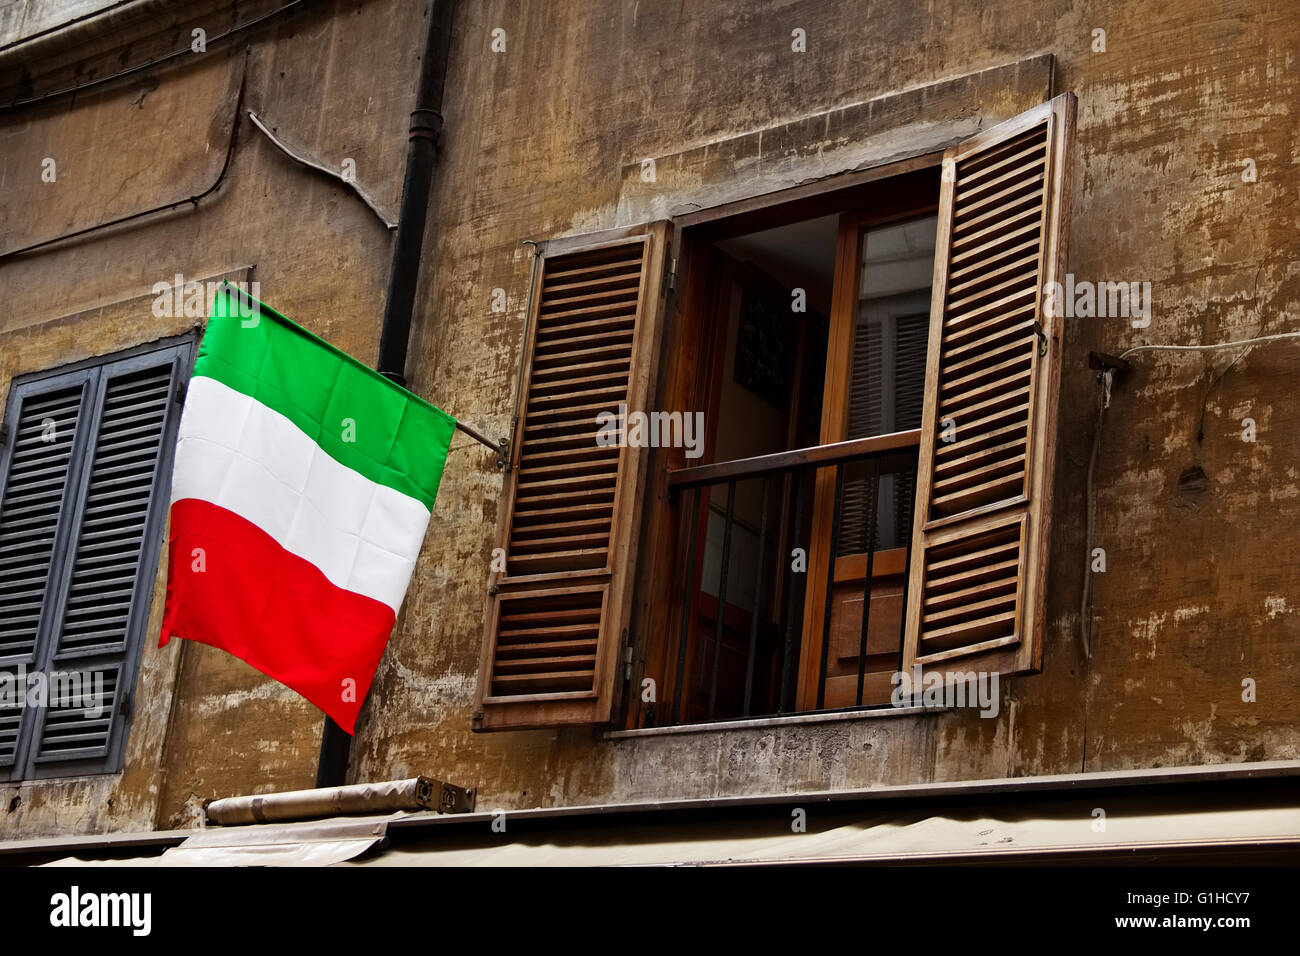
[241,455]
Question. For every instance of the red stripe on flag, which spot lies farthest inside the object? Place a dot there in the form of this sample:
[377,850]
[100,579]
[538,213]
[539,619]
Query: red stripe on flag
[231,585]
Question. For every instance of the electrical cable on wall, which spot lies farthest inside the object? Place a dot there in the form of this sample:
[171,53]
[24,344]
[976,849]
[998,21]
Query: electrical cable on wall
[1210,348]
[305,160]
[1107,378]
[1108,367]
[192,201]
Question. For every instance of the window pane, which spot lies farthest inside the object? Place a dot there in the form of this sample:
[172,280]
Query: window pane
[887,385]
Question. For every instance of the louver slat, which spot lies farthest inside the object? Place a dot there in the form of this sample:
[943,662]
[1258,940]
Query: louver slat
[108,546]
[10,722]
[546,642]
[866,416]
[977,577]
[29,515]
[79,718]
[557,610]
[971,592]
[44,431]
[97,611]
[588,312]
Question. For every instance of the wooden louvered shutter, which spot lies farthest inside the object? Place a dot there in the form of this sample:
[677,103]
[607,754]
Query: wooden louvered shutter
[42,427]
[558,613]
[980,532]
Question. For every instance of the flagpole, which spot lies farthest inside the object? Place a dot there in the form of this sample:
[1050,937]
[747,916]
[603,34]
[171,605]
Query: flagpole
[499,448]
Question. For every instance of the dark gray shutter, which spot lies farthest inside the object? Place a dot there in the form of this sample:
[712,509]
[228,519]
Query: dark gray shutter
[96,596]
[41,425]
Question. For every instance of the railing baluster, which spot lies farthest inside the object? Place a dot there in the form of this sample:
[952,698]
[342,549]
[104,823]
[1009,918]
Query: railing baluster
[722,596]
[758,600]
[873,502]
[830,585]
[787,652]
[686,606]
[907,570]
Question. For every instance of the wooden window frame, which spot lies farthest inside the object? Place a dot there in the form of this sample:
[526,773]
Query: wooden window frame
[647,589]
[839,380]
[685,382]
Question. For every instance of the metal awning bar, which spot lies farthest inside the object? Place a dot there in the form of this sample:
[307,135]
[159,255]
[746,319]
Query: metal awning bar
[814,456]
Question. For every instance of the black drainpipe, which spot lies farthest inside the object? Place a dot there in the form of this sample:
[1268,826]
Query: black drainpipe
[395,333]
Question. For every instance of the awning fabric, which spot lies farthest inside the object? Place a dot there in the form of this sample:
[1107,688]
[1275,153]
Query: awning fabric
[1241,812]
[317,843]
[983,834]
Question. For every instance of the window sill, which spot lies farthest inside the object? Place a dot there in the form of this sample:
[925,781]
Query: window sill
[58,777]
[761,722]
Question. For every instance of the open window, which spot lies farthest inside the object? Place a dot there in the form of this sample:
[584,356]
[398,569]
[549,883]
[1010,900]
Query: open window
[869,486]
[811,376]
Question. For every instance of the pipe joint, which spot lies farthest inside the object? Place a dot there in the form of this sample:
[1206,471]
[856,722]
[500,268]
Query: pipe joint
[426,124]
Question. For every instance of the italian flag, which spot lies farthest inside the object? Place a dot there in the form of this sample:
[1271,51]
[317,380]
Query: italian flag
[300,497]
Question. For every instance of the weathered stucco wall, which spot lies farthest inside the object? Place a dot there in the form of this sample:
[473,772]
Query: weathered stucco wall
[1198,591]
[539,140]
[22,19]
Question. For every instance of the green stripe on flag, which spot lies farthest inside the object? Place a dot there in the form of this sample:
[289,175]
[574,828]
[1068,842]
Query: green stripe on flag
[355,415]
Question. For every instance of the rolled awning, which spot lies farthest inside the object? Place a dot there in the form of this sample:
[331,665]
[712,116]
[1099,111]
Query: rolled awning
[389,796]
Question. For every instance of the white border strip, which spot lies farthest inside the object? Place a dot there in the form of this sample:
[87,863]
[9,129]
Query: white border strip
[241,455]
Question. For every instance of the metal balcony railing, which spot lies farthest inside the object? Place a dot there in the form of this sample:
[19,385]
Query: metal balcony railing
[742,595]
